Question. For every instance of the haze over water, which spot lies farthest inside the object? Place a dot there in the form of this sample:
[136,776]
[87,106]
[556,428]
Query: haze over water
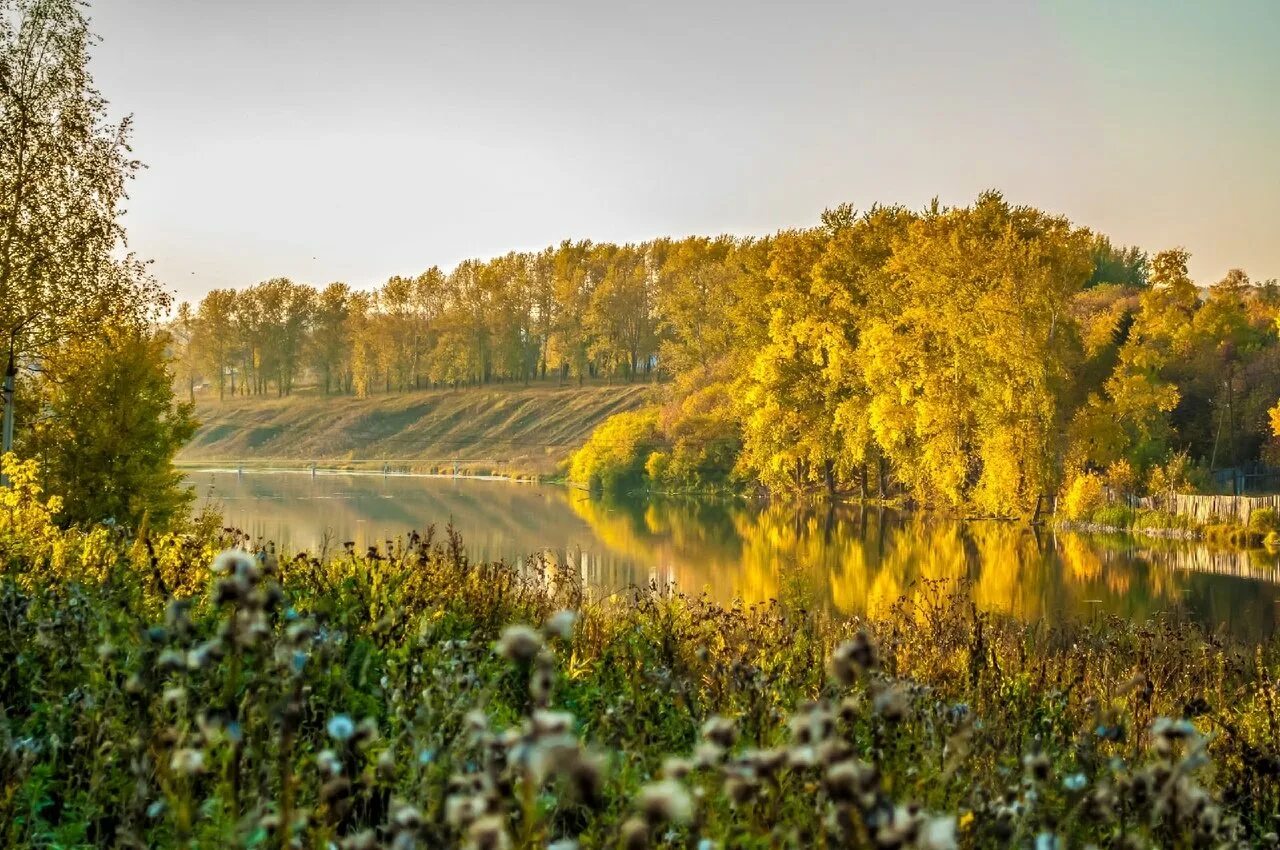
[847,560]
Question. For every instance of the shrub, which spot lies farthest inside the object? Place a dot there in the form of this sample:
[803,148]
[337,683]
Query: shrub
[1113,515]
[1084,495]
[614,456]
[412,698]
[1264,521]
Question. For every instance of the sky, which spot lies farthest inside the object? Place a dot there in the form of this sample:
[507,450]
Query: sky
[351,141]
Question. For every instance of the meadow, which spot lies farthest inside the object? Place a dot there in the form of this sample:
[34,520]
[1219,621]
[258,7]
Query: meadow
[193,690]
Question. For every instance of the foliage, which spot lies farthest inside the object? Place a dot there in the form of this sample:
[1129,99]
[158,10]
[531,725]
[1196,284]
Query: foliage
[108,428]
[1264,521]
[616,454]
[64,170]
[1084,495]
[395,700]
[969,358]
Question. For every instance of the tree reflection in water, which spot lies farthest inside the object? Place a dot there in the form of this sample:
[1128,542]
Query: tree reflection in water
[847,559]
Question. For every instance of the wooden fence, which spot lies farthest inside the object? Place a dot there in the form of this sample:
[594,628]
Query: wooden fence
[1203,508]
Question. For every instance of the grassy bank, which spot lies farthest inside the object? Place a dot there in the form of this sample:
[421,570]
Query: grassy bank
[1263,528]
[156,694]
[503,430]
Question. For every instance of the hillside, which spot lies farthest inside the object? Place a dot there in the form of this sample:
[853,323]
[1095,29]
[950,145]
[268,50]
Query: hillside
[514,430]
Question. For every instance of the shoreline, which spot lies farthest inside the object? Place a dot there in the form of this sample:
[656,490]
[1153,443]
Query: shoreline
[317,471]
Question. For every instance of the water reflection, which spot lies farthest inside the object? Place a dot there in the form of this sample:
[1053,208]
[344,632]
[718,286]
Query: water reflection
[848,559]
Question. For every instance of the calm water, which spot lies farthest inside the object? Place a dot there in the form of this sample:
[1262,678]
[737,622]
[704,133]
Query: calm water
[847,560]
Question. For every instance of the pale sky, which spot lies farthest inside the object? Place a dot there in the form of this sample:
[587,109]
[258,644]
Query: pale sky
[355,140]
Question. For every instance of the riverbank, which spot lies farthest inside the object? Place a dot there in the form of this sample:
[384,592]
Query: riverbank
[418,697]
[1262,531]
[512,431]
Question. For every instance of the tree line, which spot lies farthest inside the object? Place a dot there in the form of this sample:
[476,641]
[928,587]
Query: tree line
[975,358]
[572,312]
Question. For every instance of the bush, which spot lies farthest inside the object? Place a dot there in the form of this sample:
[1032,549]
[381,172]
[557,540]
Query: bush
[1264,521]
[1113,516]
[615,455]
[1162,520]
[1084,495]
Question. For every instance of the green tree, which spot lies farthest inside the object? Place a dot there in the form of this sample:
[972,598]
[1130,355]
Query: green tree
[64,169]
[109,428]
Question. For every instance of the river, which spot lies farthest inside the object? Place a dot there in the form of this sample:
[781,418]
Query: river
[847,560]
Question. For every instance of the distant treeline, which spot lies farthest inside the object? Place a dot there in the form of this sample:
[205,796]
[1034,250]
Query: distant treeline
[571,312]
[976,356]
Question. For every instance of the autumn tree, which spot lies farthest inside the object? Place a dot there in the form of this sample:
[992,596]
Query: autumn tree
[64,169]
[108,428]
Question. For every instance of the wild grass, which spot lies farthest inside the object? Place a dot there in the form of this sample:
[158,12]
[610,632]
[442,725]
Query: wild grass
[409,697]
[506,430]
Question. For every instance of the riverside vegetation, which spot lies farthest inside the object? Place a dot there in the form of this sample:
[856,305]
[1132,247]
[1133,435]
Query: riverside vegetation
[976,358]
[176,690]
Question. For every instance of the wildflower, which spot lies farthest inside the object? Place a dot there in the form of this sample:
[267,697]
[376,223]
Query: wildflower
[812,724]
[200,656]
[106,651]
[173,696]
[707,755]
[175,616]
[231,562]
[1048,841]
[1075,782]
[519,643]
[477,723]
[891,703]
[366,839]
[225,591]
[741,785]
[1037,766]
[676,768]
[552,756]
[366,731]
[300,631]
[800,758]
[551,722]
[765,762]
[541,684]
[461,810]
[328,762]
[563,844]
[665,801]
[850,708]
[938,834]
[635,834]
[335,790]
[1165,733]
[899,829]
[489,833]
[340,727]
[561,623]
[170,660]
[853,658]
[832,750]
[187,762]
[386,766]
[720,731]
[586,778]
[850,780]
